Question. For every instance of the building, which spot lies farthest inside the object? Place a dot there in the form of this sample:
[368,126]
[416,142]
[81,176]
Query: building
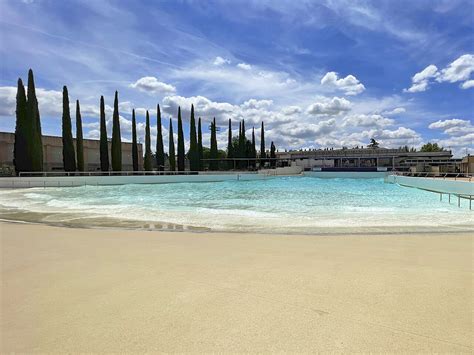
[467,164]
[53,153]
[370,159]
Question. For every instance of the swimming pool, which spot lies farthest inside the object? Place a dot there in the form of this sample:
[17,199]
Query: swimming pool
[302,205]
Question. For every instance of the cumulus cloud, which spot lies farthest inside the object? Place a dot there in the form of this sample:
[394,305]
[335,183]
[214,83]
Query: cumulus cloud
[291,110]
[363,120]
[152,85]
[420,81]
[395,111]
[453,126]
[220,61]
[244,66]
[349,85]
[459,70]
[325,106]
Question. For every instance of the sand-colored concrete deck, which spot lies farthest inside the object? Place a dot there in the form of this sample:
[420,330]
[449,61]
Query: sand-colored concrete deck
[79,290]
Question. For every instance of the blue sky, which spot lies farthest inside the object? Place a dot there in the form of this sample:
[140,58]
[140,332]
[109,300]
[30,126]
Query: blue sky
[319,73]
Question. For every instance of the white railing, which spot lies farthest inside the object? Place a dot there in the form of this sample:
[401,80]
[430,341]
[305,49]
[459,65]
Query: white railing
[455,176]
[126,173]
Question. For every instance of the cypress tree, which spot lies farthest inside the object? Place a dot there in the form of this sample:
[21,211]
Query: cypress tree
[213,151]
[181,153]
[193,154]
[253,151]
[23,133]
[134,142]
[200,149]
[36,152]
[230,148]
[238,153]
[148,155]
[262,145]
[79,139]
[116,140]
[69,159]
[160,153]
[244,142]
[171,153]
[272,155]
[104,145]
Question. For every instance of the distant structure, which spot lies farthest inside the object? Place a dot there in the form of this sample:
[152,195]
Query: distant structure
[372,159]
[53,158]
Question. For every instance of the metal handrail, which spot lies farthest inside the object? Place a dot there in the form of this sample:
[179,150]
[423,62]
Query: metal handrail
[434,175]
[127,173]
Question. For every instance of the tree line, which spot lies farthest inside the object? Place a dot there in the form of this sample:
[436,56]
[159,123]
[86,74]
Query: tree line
[28,149]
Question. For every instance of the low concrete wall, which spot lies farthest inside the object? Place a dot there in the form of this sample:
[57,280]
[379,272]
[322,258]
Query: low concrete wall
[67,181]
[287,170]
[346,174]
[449,186]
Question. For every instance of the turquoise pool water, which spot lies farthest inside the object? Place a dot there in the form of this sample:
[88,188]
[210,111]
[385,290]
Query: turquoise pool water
[280,205]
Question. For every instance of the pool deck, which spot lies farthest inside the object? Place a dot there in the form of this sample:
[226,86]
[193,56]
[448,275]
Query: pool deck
[85,290]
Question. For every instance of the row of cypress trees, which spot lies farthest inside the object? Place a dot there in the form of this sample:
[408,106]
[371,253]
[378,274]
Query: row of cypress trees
[28,148]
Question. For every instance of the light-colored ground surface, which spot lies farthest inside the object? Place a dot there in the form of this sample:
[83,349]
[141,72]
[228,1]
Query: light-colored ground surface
[71,290]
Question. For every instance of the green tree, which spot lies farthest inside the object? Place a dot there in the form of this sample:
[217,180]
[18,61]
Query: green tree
[200,148]
[171,152]
[193,154]
[181,152]
[213,164]
[160,152]
[431,147]
[69,158]
[230,148]
[134,142]
[24,129]
[263,155]
[36,153]
[116,140]
[148,155]
[104,145]
[253,150]
[272,155]
[79,139]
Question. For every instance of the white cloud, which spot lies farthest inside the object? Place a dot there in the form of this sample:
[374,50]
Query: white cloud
[420,81]
[325,106]
[151,85]
[244,66]
[349,85]
[395,111]
[220,61]
[291,110]
[459,70]
[7,100]
[467,84]
[363,120]
[453,127]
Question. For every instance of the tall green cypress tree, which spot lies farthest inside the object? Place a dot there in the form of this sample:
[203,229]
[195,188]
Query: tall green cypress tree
[244,141]
[36,153]
[253,151]
[193,153]
[104,145]
[230,148]
[171,152]
[181,152]
[23,133]
[262,145]
[148,154]
[134,142]
[214,165]
[200,149]
[116,139]
[79,139]
[272,155]
[69,158]
[160,152]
